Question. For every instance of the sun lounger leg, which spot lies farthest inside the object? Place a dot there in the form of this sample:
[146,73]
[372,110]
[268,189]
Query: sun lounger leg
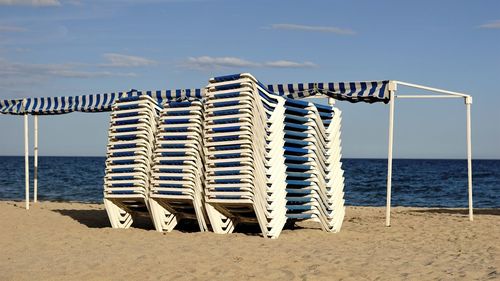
[163,219]
[220,223]
[118,217]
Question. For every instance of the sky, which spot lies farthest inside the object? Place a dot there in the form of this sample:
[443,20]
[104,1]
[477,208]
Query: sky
[58,47]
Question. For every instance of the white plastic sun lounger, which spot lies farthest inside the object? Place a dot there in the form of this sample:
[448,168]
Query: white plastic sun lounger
[245,162]
[242,155]
[314,175]
[177,183]
[130,149]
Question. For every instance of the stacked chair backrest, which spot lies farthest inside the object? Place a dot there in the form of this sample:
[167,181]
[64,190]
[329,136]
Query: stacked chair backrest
[129,157]
[314,175]
[177,182]
[245,155]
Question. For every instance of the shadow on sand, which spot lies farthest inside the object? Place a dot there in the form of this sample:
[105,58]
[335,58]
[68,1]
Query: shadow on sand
[99,219]
[491,212]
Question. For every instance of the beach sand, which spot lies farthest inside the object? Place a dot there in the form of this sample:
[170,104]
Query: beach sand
[74,241]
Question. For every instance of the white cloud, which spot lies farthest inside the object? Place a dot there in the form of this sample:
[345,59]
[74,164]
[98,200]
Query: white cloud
[70,70]
[33,3]
[289,64]
[90,74]
[19,78]
[74,2]
[118,60]
[12,29]
[309,28]
[207,62]
[491,25]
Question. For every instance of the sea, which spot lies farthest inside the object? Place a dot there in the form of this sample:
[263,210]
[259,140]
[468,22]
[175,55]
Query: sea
[416,182]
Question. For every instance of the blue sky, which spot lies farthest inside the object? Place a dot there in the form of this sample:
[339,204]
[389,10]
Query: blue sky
[57,47]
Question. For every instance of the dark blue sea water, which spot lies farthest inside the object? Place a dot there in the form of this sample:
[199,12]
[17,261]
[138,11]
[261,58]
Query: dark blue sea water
[423,183]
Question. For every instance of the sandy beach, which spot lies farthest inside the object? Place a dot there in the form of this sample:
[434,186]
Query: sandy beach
[73,241]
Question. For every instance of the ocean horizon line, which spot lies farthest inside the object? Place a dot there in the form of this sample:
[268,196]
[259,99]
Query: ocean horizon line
[365,205]
[356,158]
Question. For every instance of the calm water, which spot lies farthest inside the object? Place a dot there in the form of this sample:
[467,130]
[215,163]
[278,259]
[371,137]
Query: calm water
[430,183]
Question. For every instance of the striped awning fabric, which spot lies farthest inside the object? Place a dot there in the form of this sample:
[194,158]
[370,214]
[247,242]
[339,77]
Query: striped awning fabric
[370,92]
[11,106]
[86,103]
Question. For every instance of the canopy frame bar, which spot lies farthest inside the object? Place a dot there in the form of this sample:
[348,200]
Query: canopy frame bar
[427,97]
[389,156]
[431,89]
[393,85]
[35,160]
[26,161]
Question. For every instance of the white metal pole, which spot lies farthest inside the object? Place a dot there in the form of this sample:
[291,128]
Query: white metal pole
[432,89]
[389,159]
[26,163]
[468,102]
[427,97]
[35,155]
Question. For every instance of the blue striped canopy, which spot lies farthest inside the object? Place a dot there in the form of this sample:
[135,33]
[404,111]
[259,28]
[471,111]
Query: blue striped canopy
[373,91]
[86,103]
[11,106]
[370,92]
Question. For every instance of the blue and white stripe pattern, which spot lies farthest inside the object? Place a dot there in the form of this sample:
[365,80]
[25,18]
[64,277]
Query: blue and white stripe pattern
[59,105]
[370,92]
[87,103]
[11,106]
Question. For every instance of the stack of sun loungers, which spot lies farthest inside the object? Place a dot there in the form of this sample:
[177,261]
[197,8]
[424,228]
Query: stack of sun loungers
[129,157]
[244,138]
[241,155]
[178,166]
[314,175]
